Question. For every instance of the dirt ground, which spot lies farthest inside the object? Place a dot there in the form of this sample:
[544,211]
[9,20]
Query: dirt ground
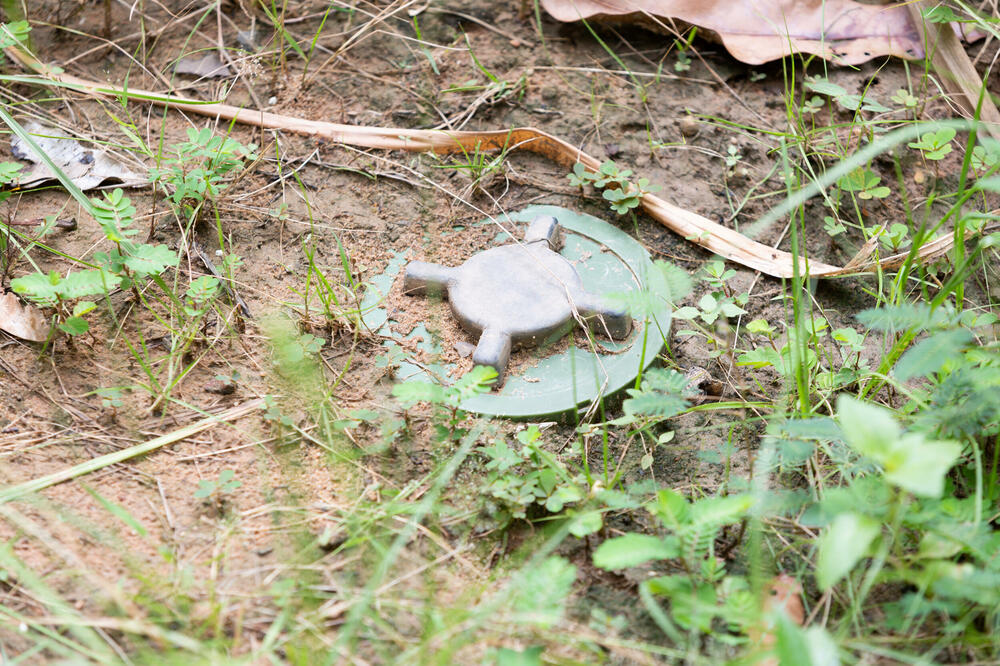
[373,204]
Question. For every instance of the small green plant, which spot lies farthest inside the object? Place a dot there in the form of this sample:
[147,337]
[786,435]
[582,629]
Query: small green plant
[447,400]
[15,33]
[112,397]
[812,105]
[848,101]
[623,195]
[130,261]
[527,476]
[865,183]
[904,98]
[478,164]
[732,157]
[59,292]
[715,307]
[683,63]
[896,236]
[833,226]
[216,490]
[985,158]
[703,592]
[195,170]
[934,145]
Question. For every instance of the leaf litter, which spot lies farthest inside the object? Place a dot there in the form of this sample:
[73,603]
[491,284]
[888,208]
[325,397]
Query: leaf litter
[88,168]
[22,321]
[758,31]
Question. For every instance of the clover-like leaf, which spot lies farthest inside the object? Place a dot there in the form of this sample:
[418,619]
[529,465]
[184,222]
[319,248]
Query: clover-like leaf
[145,259]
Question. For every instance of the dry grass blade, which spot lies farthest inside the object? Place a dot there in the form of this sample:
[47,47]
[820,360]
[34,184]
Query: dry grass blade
[957,73]
[714,237]
[20,490]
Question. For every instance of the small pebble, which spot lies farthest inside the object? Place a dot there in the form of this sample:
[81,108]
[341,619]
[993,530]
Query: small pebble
[218,253]
[689,126]
[220,387]
[464,349]
[271,101]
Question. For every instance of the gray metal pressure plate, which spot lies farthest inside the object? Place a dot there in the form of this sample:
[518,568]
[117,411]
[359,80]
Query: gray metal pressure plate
[519,294]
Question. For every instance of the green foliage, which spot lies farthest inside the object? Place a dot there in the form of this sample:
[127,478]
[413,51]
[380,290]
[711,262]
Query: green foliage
[910,460]
[218,488]
[850,102]
[842,545]
[540,593]
[904,98]
[865,183]
[477,380]
[632,550]
[196,169]
[715,307]
[14,33]
[622,194]
[527,476]
[130,260]
[57,292]
[934,145]
[8,173]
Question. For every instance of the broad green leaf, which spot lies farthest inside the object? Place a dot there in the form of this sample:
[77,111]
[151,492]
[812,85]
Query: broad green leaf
[895,318]
[83,307]
[842,545]
[634,549]
[563,495]
[528,657]
[790,645]
[822,648]
[718,511]
[824,87]
[8,172]
[586,523]
[869,430]
[671,508]
[795,646]
[475,381]
[91,282]
[989,184]
[540,591]
[74,326]
[920,466]
[203,288]
[502,457]
[654,403]
[932,354]
[410,393]
[38,287]
[145,259]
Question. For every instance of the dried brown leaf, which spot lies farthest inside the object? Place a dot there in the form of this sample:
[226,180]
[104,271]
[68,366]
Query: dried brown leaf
[22,321]
[757,31]
[208,67]
[87,167]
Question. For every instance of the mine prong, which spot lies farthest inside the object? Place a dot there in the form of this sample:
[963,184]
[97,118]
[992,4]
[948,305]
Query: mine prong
[601,316]
[425,278]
